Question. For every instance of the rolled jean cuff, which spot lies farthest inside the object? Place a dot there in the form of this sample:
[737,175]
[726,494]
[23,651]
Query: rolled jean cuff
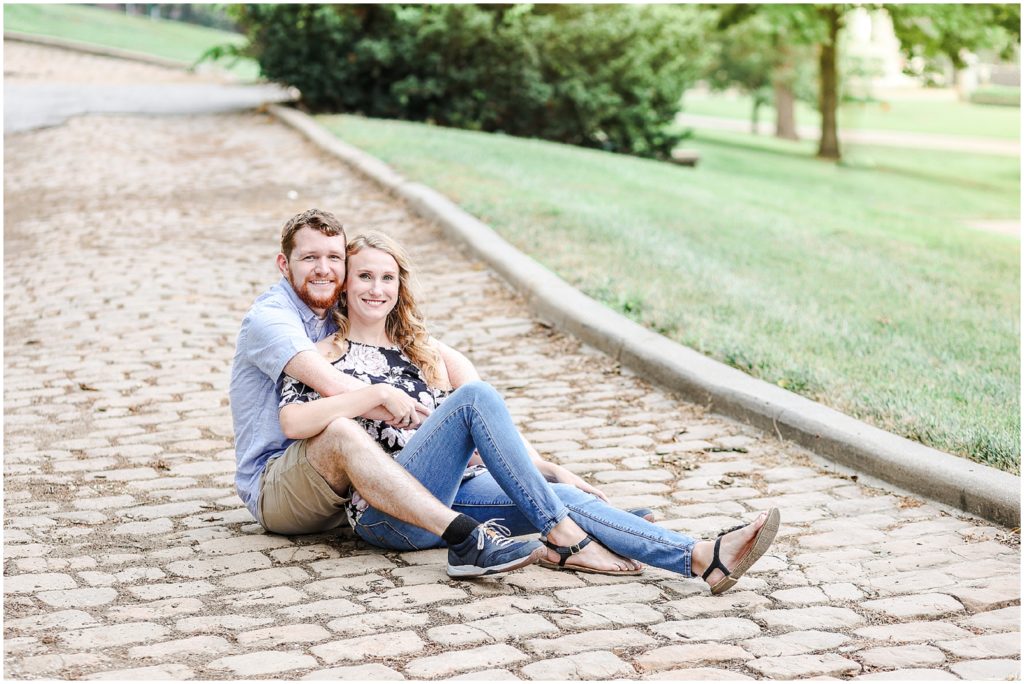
[561,515]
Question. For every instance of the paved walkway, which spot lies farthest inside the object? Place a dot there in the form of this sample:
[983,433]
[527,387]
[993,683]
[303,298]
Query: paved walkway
[133,245]
[36,97]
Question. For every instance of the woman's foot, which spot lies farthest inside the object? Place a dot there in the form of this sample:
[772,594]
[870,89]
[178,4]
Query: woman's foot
[737,551]
[591,557]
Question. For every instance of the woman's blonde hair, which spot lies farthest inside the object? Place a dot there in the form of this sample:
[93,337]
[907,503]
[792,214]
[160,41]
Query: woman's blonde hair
[404,325]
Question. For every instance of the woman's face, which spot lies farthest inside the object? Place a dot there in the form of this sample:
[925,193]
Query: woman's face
[371,285]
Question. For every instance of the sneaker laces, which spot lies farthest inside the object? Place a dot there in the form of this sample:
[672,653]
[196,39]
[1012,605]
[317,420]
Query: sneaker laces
[499,533]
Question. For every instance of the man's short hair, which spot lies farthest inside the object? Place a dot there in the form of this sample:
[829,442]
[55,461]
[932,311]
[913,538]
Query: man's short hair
[323,221]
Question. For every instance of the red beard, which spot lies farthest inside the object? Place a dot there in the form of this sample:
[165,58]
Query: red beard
[311,300]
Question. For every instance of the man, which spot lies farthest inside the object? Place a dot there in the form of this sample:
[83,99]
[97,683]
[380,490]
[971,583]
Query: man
[301,486]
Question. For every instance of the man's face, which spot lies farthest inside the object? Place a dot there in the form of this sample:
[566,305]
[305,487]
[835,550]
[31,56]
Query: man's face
[316,268]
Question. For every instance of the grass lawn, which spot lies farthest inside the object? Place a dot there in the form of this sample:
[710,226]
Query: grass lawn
[917,116]
[856,285]
[169,39]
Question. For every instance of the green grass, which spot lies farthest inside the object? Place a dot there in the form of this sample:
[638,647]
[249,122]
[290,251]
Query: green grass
[857,285]
[162,38]
[918,116]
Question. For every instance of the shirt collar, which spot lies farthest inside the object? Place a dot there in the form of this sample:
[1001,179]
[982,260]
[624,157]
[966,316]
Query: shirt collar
[305,312]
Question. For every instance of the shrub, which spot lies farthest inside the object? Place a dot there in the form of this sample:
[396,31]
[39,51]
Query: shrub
[608,76]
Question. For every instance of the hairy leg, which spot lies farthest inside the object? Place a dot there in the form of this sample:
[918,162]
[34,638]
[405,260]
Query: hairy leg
[344,455]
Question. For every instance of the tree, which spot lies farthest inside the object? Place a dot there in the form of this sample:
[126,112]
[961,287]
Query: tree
[753,54]
[796,28]
[948,32]
[931,31]
[828,79]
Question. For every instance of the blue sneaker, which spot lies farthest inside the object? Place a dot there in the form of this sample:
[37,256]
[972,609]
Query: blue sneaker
[489,550]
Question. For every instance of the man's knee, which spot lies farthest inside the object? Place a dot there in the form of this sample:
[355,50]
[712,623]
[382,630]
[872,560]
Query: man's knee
[344,435]
[329,449]
[342,441]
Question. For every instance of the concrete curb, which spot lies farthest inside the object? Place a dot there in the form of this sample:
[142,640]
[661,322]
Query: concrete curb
[92,49]
[969,486]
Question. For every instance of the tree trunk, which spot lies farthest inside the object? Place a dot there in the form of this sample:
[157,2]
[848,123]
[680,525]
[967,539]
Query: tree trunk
[785,111]
[753,115]
[783,76]
[828,147]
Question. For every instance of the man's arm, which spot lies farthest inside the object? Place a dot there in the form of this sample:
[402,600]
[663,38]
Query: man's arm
[313,370]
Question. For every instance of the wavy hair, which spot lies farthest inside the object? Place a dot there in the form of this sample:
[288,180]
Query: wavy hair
[404,325]
[323,221]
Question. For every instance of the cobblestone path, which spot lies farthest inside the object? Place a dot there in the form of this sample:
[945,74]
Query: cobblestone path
[133,246]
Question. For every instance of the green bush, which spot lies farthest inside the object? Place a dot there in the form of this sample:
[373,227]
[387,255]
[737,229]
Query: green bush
[1007,96]
[607,76]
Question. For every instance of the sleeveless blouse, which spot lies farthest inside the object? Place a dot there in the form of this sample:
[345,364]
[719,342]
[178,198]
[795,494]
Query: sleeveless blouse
[373,365]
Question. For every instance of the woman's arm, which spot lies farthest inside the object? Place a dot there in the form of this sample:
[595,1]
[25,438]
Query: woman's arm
[460,369]
[556,473]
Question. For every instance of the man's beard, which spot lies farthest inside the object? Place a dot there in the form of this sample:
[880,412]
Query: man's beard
[311,300]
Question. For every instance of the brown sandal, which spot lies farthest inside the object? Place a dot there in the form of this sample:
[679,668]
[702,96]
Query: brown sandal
[765,537]
[567,552]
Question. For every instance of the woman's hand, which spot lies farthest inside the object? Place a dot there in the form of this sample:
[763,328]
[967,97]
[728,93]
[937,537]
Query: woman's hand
[406,412]
[564,476]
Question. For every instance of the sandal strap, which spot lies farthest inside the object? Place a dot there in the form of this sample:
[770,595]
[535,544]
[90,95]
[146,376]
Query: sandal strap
[566,552]
[716,562]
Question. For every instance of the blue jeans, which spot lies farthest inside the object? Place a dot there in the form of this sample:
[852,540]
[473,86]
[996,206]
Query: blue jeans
[475,417]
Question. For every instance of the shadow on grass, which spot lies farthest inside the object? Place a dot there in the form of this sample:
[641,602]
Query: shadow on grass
[774,147]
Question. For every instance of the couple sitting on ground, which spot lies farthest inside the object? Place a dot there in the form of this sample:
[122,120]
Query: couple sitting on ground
[345,407]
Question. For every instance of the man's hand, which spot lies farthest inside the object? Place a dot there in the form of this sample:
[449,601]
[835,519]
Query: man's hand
[404,411]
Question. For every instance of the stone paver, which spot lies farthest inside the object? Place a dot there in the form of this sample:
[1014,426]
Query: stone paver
[986,646]
[689,654]
[127,554]
[356,673]
[376,645]
[585,666]
[902,656]
[168,672]
[264,663]
[804,666]
[479,658]
[795,643]
[995,669]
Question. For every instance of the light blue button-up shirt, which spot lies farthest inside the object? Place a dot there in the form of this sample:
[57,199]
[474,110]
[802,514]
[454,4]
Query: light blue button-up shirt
[278,326]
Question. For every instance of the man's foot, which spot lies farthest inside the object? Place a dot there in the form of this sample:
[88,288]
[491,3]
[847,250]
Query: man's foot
[722,562]
[489,550]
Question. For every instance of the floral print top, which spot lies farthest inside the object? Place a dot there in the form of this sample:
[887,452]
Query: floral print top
[373,365]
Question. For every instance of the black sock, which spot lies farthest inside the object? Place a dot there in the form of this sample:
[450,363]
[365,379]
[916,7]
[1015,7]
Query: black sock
[459,529]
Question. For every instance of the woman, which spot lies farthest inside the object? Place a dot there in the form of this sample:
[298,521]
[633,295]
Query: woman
[469,454]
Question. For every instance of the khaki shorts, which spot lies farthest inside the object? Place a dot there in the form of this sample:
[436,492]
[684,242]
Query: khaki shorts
[295,499]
